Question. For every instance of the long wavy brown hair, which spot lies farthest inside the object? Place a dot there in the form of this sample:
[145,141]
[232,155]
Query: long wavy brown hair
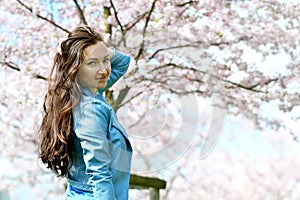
[56,136]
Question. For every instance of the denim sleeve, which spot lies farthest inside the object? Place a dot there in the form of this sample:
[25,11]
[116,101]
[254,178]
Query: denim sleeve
[119,65]
[91,129]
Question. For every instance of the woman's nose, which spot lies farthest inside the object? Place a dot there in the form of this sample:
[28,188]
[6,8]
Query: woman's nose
[101,71]
[101,68]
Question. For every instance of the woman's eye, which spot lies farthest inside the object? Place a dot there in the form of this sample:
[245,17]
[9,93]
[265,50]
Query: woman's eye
[92,63]
[106,60]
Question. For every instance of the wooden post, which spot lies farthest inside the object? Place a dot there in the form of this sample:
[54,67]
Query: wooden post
[148,183]
[154,193]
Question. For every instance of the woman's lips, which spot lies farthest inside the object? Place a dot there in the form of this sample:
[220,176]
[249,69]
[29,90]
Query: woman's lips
[102,79]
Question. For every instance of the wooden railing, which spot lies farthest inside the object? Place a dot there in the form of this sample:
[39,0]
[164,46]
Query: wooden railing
[148,183]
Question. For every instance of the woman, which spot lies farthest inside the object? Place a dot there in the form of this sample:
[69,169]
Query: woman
[81,138]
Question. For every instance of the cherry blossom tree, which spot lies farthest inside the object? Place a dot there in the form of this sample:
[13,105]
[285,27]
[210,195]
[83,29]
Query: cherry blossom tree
[238,56]
[235,171]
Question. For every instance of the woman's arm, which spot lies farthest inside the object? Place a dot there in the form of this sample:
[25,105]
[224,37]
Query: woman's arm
[91,128]
[119,65]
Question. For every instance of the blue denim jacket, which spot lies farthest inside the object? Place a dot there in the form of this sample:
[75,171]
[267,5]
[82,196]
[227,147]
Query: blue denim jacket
[102,151]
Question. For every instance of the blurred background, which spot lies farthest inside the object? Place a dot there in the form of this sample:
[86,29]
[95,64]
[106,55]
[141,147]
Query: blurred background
[210,100]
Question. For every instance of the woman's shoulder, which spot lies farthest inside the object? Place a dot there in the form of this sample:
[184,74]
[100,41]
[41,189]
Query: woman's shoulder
[97,103]
[89,100]
[89,105]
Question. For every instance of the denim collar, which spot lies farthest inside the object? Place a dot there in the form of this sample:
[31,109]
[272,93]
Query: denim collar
[85,91]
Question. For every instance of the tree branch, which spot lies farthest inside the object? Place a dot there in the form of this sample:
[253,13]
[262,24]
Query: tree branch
[249,88]
[10,65]
[120,98]
[186,3]
[295,137]
[128,27]
[197,43]
[17,68]
[174,65]
[265,83]
[127,101]
[41,17]
[116,16]
[123,32]
[169,48]
[164,84]
[145,29]
[39,77]
[80,11]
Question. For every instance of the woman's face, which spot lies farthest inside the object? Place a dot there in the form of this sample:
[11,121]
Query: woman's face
[95,69]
